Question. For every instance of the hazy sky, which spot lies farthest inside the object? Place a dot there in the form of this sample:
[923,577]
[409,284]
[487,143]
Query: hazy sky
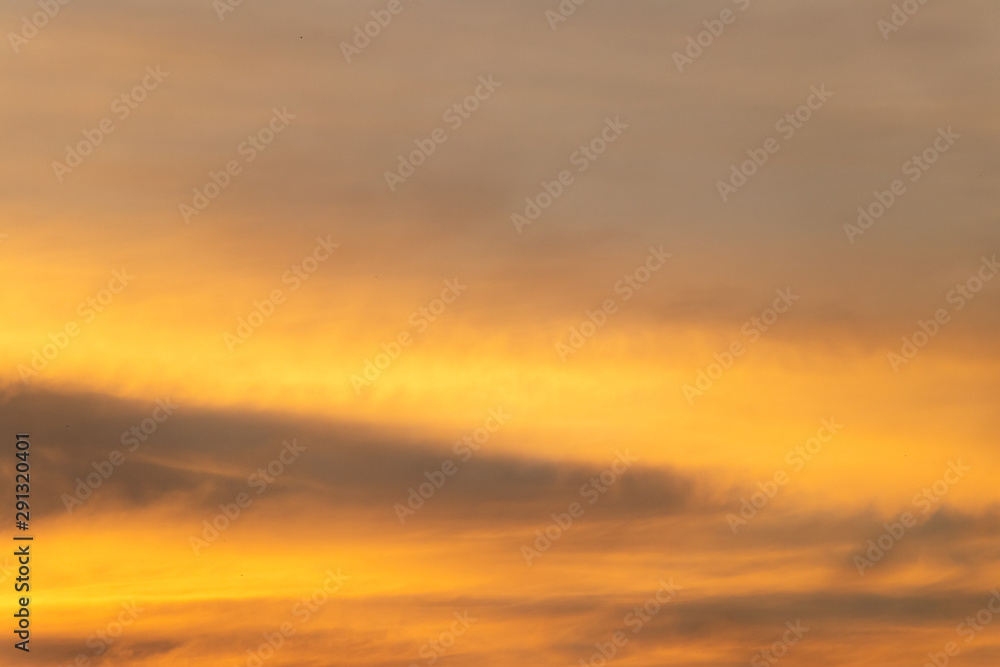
[501,251]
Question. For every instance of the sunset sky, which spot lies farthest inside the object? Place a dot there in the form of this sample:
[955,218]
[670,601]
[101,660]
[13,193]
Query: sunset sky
[501,329]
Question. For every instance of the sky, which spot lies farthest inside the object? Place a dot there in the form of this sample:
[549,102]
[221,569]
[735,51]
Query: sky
[651,333]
